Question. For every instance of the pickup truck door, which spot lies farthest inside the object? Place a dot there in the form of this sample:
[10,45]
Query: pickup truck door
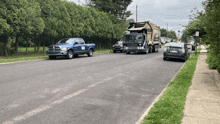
[86,47]
[76,46]
[82,44]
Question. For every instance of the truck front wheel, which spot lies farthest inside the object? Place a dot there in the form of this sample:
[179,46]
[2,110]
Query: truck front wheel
[146,49]
[69,54]
[90,54]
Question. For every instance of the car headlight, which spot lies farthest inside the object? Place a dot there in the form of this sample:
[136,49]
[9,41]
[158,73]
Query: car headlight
[113,46]
[64,49]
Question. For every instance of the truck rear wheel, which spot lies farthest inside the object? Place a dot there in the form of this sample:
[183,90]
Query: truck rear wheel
[69,54]
[90,54]
[154,48]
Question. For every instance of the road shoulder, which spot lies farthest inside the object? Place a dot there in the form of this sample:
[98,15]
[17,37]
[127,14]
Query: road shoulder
[202,105]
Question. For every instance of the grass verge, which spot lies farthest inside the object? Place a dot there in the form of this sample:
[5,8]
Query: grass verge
[22,56]
[169,108]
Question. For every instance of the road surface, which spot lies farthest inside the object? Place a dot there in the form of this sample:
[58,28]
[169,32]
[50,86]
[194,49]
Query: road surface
[110,88]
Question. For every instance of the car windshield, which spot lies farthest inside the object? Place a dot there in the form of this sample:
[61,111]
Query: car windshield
[120,42]
[66,41]
[175,45]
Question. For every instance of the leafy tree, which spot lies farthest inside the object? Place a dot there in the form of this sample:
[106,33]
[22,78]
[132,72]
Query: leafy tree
[212,30]
[29,20]
[169,34]
[8,24]
[114,7]
[57,21]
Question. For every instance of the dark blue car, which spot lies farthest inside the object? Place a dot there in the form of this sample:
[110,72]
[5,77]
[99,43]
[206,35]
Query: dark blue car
[176,50]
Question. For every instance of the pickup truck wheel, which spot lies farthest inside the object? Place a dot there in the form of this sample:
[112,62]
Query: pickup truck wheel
[52,57]
[127,52]
[90,54]
[70,54]
[114,51]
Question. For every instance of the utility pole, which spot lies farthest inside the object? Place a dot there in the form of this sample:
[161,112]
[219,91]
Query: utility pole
[167,31]
[136,13]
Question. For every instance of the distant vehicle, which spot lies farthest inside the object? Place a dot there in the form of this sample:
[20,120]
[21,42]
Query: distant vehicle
[70,47]
[118,46]
[144,37]
[176,50]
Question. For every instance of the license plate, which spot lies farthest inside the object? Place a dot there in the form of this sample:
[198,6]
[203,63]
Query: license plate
[174,51]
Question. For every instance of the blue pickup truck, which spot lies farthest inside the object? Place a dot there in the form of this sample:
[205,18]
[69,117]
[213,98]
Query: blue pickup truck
[70,47]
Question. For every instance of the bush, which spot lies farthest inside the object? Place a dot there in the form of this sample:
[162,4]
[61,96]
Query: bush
[10,50]
[212,61]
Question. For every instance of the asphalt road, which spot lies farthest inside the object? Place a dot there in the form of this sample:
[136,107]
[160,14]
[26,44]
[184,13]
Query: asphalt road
[103,89]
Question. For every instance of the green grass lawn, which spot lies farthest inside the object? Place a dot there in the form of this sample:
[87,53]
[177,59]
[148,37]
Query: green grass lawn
[31,55]
[169,108]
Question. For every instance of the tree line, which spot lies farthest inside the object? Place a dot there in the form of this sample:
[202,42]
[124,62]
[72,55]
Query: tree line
[169,34]
[207,23]
[42,23]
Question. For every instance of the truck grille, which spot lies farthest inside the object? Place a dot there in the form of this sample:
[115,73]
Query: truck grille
[54,49]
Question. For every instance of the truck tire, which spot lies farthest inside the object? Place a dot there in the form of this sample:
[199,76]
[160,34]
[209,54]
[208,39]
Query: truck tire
[150,49]
[127,52]
[90,54]
[146,49]
[157,48]
[114,51]
[69,54]
[153,48]
[52,57]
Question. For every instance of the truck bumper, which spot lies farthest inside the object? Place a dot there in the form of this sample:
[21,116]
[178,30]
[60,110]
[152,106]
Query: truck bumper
[175,56]
[136,50]
[57,53]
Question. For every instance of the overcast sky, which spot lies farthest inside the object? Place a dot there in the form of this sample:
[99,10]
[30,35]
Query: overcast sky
[160,12]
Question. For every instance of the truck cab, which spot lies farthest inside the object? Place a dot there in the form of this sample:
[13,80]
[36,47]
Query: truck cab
[142,37]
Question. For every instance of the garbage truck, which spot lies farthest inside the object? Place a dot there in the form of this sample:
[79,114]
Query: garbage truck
[142,37]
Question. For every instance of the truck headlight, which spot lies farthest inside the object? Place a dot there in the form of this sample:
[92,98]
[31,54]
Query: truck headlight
[183,51]
[64,49]
[165,49]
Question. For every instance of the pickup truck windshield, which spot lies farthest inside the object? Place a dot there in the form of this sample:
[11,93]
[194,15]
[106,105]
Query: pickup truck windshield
[67,41]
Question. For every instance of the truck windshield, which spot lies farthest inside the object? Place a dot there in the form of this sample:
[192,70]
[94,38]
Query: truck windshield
[128,38]
[65,40]
[138,38]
